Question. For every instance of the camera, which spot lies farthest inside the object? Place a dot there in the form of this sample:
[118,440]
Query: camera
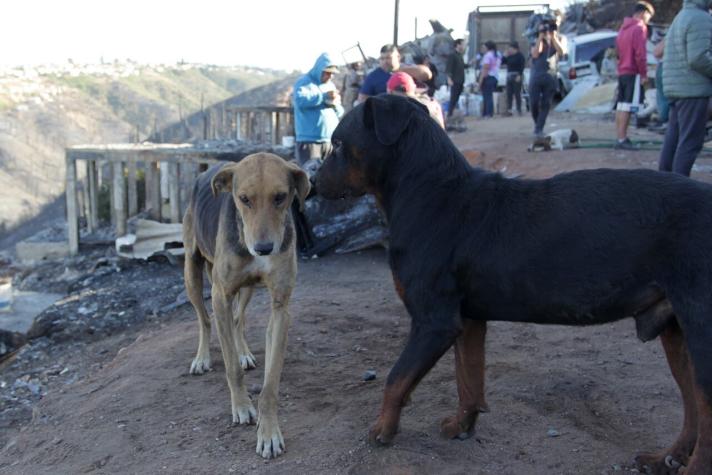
[546,26]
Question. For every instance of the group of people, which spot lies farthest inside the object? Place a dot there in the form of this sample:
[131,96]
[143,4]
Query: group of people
[683,80]
[319,103]
[683,77]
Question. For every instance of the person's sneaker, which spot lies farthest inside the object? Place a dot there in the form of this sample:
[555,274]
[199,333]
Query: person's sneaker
[538,133]
[658,128]
[507,114]
[626,144]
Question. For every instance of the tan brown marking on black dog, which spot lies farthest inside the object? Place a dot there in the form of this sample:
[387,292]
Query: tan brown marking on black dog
[470,374]
[239,226]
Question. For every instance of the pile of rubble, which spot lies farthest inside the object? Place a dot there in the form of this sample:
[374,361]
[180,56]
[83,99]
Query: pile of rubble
[103,297]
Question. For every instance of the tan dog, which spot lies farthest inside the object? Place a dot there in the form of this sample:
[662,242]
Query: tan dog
[239,226]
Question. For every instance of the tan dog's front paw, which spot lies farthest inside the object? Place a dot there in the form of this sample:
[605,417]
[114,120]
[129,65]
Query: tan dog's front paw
[248,361]
[244,414]
[270,443]
[200,364]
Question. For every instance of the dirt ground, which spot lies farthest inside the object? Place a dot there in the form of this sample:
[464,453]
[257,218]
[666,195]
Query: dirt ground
[563,400]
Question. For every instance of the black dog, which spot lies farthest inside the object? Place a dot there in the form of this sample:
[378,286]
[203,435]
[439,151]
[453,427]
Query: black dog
[581,248]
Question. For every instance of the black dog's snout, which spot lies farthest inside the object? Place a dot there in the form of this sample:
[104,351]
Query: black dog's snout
[264,248]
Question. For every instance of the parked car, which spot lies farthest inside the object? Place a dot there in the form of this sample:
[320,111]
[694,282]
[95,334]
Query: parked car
[584,57]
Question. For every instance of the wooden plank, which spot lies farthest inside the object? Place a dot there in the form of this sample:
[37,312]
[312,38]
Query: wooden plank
[132,190]
[110,181]
[71,196]
[273,127]
[86,199]
[153,190]
[93,218]
[174,192]
[187,173]
[119,193]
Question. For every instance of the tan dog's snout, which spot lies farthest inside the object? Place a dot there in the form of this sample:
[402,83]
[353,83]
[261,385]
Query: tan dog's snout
[263,187]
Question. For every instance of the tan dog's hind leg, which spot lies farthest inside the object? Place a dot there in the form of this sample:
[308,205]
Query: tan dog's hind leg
[247,359]
[470,373]
[193,274]
[270,442]
[243,412]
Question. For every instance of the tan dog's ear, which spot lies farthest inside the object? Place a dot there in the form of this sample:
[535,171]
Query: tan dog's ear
[301,183]
[222,181]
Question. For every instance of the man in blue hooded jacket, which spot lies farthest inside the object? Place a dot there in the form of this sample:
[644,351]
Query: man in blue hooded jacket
[317,110]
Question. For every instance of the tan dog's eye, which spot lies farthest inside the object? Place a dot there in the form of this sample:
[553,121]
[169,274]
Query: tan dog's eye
[245,200]
[279,198]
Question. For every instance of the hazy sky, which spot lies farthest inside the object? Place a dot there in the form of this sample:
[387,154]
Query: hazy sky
[276,34]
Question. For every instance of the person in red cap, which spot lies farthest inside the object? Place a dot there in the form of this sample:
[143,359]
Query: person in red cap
[402,84]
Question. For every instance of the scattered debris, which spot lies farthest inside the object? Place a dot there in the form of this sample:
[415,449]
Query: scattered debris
[151,237]
[369,375]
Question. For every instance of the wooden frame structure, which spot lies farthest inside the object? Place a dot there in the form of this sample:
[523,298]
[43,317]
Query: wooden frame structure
[252,129]
[182,162]
[264,124]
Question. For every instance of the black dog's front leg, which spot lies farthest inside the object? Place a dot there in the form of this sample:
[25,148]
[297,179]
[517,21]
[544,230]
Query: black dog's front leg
[426,343]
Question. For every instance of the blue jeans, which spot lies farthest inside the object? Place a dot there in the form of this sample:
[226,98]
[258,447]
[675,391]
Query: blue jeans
[685,135]
[489,84]
[542,87]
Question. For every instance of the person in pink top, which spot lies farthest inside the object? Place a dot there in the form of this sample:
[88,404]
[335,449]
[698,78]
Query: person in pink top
[488,78]
[632,62]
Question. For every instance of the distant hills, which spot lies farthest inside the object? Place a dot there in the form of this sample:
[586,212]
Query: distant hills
[45,109]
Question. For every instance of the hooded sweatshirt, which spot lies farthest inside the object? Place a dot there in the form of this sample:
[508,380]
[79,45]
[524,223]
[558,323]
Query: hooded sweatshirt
[631,45]
[687,62]
[314,119]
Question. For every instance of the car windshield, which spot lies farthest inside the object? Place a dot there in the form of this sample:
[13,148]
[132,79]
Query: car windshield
[591,50]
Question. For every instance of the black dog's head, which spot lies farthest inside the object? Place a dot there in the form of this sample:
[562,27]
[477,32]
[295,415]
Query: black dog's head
[364,143]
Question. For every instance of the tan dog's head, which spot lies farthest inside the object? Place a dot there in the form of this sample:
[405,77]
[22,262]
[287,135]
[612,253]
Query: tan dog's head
[263,187]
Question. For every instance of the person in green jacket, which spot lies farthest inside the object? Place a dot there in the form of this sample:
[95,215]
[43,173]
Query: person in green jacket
[687,84]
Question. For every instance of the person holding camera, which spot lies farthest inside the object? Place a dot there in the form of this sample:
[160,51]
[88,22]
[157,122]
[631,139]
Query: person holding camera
[632,69]
[545,53]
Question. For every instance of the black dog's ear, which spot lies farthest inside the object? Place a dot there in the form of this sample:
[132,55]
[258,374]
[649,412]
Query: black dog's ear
[388,116]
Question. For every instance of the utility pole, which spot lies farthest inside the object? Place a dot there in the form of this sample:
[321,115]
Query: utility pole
[395,25]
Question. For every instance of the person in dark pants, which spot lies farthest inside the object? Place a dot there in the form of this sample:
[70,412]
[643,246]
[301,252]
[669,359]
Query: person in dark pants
[455,71]
[488,78]
[542,83]
[687,83]
[514,60]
